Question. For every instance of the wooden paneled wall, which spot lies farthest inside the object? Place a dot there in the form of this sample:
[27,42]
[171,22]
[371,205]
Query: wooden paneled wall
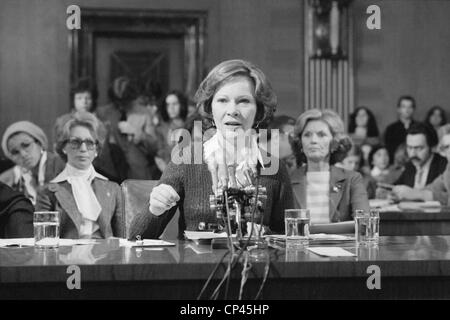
[35,61]
[409,55]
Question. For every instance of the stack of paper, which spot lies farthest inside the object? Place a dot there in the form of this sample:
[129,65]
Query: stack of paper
[324,238]
[146,243]
[419,206]
[29,242]
[316,238]
[200,235]
[331,252]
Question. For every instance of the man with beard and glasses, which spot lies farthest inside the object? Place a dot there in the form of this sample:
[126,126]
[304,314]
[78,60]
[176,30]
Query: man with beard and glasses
[424,165]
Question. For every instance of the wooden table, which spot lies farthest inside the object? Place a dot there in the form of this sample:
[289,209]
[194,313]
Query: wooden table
[408,223]
[411,267]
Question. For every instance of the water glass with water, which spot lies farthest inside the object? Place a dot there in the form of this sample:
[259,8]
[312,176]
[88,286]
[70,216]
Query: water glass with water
[361,227]
[297,227]
[374,227]
[46,229]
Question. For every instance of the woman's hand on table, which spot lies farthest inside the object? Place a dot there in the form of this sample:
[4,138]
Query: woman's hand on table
[162,198]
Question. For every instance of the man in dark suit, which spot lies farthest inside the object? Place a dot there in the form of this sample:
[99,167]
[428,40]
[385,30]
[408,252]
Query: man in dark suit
[395,133]
[424,165]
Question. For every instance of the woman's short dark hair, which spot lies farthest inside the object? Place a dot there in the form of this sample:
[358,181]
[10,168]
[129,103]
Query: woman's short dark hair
[83,119]
[340,144]
[374,150]
[430,113]
[266,100]
[81,86]
[372,127]
[182,99]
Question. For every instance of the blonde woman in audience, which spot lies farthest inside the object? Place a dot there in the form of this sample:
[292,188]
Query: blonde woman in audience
[332,194]
[26,145]
[439,189]
[90,206]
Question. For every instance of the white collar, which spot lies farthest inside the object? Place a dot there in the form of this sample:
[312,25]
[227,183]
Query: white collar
[64,175]
[248,154]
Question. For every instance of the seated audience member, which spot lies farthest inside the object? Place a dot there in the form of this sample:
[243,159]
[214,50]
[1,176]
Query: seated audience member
[400,160]
[173,111]
[90,206]
[26,145]
[285,126]
[436,118]
[363,130]
[130,130]
[395,133]
[439,189]
[16,214]
[379,163]
[424,165]
[331,194]
[352,162]
[83,97]
[188,186]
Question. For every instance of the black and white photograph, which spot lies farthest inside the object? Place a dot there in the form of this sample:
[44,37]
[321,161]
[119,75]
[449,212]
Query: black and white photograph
[224,156]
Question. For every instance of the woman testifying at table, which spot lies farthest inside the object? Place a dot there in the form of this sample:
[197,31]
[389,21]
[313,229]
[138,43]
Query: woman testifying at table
[235,97]
[89,205]
[331,194]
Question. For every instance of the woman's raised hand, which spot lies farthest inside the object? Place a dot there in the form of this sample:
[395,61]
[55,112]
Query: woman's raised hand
[162,198]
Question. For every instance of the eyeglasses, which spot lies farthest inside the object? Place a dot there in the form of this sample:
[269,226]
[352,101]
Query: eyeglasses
[25,146]
[75,143]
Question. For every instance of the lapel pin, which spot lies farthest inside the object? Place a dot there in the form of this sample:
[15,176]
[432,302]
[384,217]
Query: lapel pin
[336,188]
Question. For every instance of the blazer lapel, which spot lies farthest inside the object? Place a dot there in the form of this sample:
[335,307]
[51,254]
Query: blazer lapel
[65,198]
[104,196]
[337,179]
[298,180]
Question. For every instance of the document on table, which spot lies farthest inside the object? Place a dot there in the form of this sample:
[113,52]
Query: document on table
[199,235]
[420,206]
[29,242]
[331,252]
[146,243]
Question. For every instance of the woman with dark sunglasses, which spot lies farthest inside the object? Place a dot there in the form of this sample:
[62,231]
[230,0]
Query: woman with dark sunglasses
[90,206]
